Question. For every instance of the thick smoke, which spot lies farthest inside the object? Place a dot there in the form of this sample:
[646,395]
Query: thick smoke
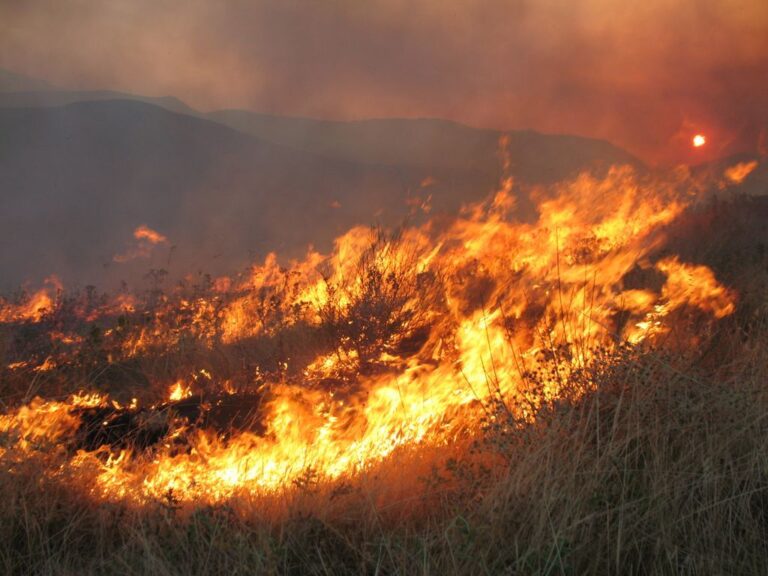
[642,74]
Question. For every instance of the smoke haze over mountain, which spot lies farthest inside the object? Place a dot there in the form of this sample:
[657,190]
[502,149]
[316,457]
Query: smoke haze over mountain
[645,75]
[79,179]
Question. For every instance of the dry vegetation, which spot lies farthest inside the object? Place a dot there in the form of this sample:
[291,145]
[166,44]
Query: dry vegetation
[652,458]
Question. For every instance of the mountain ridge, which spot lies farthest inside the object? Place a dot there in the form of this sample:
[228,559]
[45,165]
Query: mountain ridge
[81,170]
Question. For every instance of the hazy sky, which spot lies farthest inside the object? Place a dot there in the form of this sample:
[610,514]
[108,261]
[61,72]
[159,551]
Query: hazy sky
[645,74]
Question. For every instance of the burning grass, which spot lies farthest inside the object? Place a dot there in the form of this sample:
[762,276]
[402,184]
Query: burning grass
[657,469]
[581,393]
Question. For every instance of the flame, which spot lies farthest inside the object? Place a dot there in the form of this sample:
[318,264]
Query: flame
[423,331]
[146,240]
[146,233]
[694,285]
[699,140]
[737,173]
[46,421]
[35,306]
[179,391]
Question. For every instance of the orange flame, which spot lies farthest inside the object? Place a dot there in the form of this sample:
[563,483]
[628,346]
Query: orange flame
[179,391]
[146,240]
[146,233]
[35,307]
[453,318]
[737,173]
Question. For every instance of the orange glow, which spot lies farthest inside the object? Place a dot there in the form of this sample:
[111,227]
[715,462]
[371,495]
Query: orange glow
[429,329]
[699,140]
[35,306]
[179,391]
[146,240]
[146,233]
[738,173]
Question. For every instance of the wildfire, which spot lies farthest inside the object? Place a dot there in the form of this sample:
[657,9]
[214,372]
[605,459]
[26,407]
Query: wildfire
[146,239]
[146,233]
[179,391]
[699,140]
[426,330]
[738,173]
[35,306]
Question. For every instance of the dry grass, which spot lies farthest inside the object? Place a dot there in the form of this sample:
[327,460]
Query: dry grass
[658,469]
[656,463]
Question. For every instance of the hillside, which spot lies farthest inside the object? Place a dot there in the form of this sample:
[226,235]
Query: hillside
[53,98]
[439,145]
[81,175]
[78,179]
[523,401]
[752,170]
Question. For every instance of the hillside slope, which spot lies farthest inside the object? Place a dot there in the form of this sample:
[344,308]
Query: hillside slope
[81,170]
[78,179]
[436,144]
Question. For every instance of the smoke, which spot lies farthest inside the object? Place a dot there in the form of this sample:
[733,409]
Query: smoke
[642,74]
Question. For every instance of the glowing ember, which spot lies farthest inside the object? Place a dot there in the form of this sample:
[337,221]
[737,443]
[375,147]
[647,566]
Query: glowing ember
[699,140]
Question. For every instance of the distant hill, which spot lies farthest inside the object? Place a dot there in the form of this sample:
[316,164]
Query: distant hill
[78,179]
[430,143]
[47,99]
[447,149]
[13,82]
[80,170]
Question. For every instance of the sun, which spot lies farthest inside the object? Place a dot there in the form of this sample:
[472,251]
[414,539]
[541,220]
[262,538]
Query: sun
[699,140]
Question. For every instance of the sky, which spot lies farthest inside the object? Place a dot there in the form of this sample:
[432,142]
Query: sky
[647,75]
